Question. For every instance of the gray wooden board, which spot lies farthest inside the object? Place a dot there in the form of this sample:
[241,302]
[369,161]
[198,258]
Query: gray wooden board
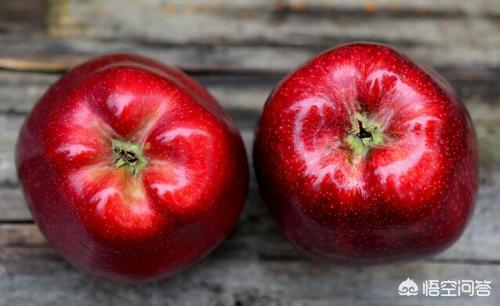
[239,50]
[268,21]
[249,35]
[41,53]
[38,276]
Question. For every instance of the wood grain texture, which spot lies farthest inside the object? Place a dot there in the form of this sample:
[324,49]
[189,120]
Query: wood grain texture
[38,274]
[22,16]
[248,35]
[277,22]
[239,50]
[39,53]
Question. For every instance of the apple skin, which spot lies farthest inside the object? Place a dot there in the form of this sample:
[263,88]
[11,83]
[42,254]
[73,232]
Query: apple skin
[139,217]
[403,192]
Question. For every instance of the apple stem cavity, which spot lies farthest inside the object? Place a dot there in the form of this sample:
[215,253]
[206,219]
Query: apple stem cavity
[364,134]
[128,155]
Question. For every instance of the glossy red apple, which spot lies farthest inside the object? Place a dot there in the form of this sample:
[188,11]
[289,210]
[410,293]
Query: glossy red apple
[363,156]
[131,169]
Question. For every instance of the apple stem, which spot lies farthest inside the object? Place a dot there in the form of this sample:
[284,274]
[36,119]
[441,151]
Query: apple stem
[128,156]
[365,133]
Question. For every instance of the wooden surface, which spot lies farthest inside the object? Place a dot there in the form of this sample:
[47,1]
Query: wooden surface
[240,50]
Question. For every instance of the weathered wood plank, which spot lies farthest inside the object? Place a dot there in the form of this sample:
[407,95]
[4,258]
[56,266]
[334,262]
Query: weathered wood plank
[254,21]
[36,273]
[38,53]
[12,205]
[247,34]
[276,22]
[436,33]
[22,16]
[20,90]
[9,128]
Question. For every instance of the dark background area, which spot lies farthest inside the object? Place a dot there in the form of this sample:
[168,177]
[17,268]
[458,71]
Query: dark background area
[239,50]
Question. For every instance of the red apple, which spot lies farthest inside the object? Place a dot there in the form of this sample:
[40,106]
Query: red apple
[131,169]
[363,156]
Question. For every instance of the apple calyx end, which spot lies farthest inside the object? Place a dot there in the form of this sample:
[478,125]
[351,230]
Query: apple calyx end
[364,134]
[128,155]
